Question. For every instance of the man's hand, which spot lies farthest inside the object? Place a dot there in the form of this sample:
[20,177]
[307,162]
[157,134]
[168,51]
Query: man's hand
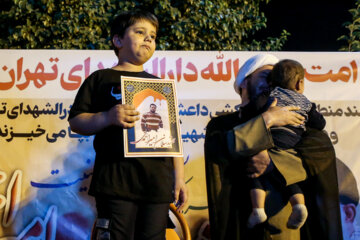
[123,115]
[258,164]
[280,116]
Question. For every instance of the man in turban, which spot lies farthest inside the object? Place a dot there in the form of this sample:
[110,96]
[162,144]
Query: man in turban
[237,148]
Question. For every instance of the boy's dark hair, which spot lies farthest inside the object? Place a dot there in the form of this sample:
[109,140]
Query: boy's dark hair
[286,73]
[124,20]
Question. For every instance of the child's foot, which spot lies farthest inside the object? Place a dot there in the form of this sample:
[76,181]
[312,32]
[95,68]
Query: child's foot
[298,216]
[257,216]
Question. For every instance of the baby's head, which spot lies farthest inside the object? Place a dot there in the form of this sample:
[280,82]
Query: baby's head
[288,74]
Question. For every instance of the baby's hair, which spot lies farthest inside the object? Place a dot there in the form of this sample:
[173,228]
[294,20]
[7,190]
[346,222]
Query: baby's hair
[286,74]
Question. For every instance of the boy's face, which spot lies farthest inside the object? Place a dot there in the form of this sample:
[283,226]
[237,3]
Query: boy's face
[138,43]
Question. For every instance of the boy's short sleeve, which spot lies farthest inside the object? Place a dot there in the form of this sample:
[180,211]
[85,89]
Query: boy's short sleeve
[83,98]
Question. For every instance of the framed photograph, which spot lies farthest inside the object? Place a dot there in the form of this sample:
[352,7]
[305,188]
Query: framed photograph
[157,133]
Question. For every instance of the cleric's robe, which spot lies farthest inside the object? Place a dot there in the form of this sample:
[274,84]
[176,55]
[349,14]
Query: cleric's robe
[228,144]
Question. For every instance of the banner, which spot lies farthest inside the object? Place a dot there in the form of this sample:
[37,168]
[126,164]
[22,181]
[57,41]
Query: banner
[45,168]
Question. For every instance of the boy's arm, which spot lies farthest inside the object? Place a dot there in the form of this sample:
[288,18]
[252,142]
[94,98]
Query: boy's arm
[180,189]
[122,115]
[315,119]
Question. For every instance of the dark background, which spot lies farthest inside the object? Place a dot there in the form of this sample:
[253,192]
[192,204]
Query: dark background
[314,25]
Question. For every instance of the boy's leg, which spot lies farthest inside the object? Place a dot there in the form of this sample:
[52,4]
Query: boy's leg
[116,219]
[257,196]
[299,211]
[152,221]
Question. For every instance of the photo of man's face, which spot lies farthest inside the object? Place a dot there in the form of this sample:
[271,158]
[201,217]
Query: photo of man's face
[153,108]
[156,131]
[349,199]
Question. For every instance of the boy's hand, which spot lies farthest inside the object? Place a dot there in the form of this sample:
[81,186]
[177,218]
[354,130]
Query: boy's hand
[123,115]
[180,194]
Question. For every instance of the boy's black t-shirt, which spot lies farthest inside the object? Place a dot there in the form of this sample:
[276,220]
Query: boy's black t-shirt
[149,179]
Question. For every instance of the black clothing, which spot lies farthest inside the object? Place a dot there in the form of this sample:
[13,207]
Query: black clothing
[226,181]
[148,179]
[287,136]
[228,198]
[123,219]
[260,182]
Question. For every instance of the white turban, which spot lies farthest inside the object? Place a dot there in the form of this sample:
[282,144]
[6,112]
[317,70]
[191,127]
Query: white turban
[251,65]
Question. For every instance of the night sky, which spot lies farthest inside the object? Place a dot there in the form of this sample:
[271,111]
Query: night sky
[314,25]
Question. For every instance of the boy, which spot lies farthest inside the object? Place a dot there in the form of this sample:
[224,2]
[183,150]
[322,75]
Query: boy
[287,77]
[132,194]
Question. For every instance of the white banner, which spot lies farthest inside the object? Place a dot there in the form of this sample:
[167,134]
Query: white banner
[45,169]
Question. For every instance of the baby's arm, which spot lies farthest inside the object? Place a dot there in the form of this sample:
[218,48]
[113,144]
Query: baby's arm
[122,115]
[316,120]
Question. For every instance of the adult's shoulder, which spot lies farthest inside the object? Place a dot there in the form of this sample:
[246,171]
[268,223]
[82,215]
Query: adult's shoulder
[223,122]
